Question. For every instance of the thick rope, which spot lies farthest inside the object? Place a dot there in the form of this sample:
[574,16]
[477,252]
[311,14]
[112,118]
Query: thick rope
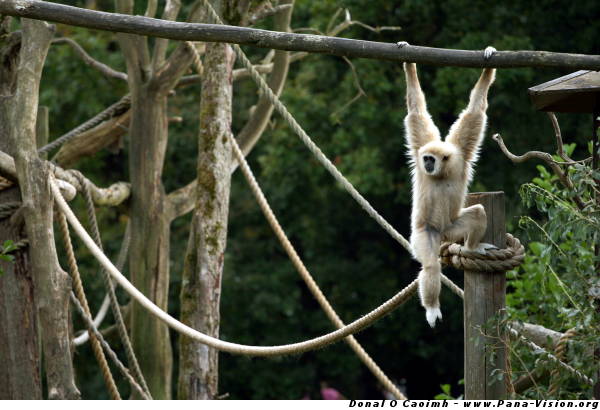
[113,356]
[305,274]
[78,288]
[121,259]
[316,151]
[294,348]
[197,61]
[121,105]
[560,353]
[538,349]
[114,303]
[494,260]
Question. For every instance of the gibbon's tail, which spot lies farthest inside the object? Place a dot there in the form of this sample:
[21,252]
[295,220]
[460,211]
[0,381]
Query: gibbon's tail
[429,291]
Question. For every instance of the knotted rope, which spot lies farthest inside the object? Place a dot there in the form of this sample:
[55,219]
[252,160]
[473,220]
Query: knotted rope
[494,260]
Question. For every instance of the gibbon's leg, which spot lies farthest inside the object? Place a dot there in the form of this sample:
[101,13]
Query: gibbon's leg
[426,247]
[467,131]
[470,226]
[420,128]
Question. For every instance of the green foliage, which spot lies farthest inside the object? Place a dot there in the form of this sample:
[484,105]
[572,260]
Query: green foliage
[556,284]
[446,393]
[5,250]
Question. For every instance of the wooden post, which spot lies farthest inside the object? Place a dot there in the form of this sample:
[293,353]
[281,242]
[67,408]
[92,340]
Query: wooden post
[484,299]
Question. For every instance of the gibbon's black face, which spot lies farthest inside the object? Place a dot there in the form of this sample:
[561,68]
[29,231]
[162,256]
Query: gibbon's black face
[438,159]
[429,163]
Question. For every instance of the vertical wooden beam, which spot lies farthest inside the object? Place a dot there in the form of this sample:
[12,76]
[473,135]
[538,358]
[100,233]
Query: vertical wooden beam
[484,299]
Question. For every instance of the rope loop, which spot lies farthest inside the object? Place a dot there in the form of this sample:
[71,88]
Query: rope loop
[494,260]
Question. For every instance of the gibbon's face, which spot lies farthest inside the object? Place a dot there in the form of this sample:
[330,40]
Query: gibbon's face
[439,159]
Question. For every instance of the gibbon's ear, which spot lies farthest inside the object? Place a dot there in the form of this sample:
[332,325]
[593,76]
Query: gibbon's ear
[420,129]
[467,132]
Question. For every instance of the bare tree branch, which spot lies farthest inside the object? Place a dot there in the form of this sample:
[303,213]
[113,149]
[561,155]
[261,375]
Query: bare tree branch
[114,195]
[290,41]
[103,68]
[170,12]
[559,143]
[547,158]
[267,11]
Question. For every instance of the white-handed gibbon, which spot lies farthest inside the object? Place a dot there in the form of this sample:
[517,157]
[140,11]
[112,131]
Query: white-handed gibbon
[441,173]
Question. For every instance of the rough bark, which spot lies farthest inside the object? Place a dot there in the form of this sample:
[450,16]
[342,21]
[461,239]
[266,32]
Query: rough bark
[291,41]
[19,350]
[203,268]
[149,248]
[51,283]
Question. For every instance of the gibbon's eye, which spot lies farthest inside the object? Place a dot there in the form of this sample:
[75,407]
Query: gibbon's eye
[445,158]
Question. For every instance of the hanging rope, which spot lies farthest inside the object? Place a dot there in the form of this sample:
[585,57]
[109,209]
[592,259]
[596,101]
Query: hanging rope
[114,303]
[113,356]
[305,274]
[121,259]
[316,151]
[78,288]
[294,348]
[120,106]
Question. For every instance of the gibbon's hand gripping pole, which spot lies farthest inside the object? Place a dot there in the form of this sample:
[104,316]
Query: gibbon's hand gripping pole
[294,348]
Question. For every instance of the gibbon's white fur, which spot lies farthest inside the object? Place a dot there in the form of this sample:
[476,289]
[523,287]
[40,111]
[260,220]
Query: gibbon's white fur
[441,173]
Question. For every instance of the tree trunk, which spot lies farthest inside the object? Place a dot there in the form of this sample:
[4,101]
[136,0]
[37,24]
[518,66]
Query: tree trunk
[203,269]
[19,351]
[51,283]
[149,248]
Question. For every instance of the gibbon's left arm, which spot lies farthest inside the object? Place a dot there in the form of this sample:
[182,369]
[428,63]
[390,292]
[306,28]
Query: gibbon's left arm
[467,132]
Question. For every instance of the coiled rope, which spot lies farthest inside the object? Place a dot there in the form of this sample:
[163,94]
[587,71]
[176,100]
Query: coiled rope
[494,260]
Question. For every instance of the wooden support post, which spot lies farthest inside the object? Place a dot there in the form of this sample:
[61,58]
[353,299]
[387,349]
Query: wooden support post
[484,299]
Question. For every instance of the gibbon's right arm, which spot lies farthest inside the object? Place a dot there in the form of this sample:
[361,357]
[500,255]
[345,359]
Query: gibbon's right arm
[420,128]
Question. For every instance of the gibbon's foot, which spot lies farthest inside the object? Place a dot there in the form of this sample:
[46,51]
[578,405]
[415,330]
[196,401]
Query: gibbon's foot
[432,314]
[488,52]
[401,44]
[482,248]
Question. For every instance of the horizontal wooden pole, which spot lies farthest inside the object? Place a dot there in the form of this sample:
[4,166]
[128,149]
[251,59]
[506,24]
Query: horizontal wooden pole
[146,26]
